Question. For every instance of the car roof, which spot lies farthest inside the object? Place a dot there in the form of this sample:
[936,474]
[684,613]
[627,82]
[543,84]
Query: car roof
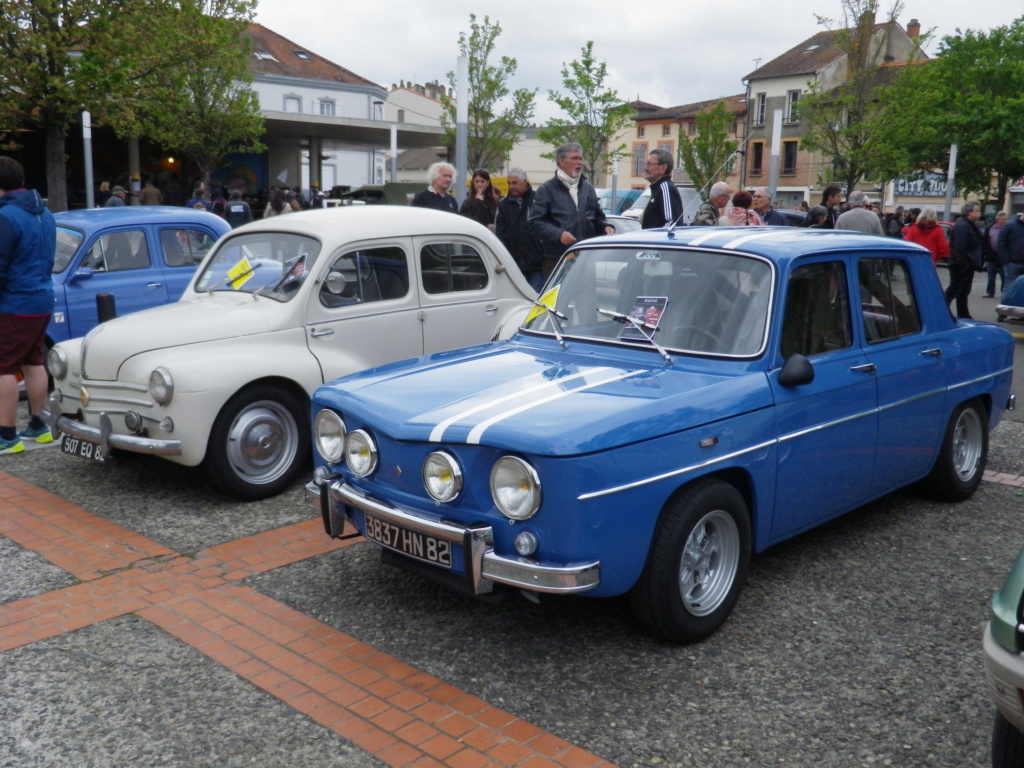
[91,219]
[780,244]
[371,221]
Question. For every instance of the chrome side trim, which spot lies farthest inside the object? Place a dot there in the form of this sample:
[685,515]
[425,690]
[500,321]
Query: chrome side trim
[113,385]
[981,378]
[673,473]
[483,564]
[827,424]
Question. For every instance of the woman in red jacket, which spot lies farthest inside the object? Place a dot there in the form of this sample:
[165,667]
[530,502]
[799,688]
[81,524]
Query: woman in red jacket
[927,232]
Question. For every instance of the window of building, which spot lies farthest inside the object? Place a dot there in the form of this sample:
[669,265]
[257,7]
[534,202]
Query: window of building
[756,158]
[639,158]
[264,55]
[401,115]
[666,129]
[789,149]
[792,107]
[327,108]
[668,146]
[640,131]
[693,127]
[302,55]
[761,101]
[292,104]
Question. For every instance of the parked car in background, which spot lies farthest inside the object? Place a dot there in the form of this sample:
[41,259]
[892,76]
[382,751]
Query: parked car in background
[1003,647]
[222,377]
[691,202]
[623,224]
[144,256]
[624,198]
[680,401]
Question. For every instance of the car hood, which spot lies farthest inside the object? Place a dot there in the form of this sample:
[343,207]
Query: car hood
[174,325]
[543,402]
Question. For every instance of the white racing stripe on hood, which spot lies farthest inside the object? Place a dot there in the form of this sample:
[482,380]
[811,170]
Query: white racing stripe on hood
[437,432]
[477,432]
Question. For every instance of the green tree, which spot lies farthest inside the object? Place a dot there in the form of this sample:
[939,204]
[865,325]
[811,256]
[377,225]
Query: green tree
[846,123]
[596,114]
[707,156]
[125,61]
[491,130]
[203,105]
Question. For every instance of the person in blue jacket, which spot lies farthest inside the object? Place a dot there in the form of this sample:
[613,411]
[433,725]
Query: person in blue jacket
[28,240]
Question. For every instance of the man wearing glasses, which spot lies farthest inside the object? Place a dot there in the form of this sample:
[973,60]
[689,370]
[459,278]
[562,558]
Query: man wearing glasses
[665,206]
[763,205]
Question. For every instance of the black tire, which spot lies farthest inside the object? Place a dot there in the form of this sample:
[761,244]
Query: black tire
[1007,744]
[961,461]
[259,443]
[697,563]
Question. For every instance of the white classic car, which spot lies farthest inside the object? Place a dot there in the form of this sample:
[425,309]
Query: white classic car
[222,377]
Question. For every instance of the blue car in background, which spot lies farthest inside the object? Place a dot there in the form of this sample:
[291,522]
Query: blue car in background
[144,256]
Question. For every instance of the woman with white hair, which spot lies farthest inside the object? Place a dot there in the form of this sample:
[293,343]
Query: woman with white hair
[927,232]
[440,177]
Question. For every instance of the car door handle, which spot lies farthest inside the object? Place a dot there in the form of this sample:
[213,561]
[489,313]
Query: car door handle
[936,352]
[490,310]
[318,334]
[866,368]
[154,285]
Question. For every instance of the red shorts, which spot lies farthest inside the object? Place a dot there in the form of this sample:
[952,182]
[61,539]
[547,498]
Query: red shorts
[22,341]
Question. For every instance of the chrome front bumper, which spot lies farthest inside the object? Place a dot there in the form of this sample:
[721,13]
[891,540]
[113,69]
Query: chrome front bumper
[104,435]
[483,566]
[1009,310]
[1004,674]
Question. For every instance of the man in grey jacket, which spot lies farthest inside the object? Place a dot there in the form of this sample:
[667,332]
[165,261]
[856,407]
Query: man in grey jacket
[565,209]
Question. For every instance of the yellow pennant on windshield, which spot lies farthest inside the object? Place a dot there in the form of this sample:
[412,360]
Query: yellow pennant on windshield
[549,299]
[240,274]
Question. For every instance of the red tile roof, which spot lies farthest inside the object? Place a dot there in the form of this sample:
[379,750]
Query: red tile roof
[288,62]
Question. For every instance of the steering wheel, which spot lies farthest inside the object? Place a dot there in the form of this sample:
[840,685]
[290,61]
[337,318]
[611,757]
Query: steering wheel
[680,330]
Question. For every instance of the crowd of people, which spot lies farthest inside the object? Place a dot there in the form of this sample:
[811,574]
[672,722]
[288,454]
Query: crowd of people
[538,225]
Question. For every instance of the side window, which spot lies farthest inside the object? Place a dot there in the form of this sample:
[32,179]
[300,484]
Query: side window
[817,312]
[452,268]
[887,300]
[184,247]
[369,274]
[119,252]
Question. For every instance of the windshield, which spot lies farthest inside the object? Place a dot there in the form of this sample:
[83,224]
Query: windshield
[695,301]
[68,241]
[272,264]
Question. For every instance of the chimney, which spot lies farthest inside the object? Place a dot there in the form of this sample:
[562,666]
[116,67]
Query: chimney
[914,29]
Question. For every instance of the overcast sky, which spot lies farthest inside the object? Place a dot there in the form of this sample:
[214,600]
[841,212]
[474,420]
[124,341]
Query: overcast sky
[666,52]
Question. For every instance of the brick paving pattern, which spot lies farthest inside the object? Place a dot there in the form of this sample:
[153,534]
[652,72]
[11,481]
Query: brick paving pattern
[393,711]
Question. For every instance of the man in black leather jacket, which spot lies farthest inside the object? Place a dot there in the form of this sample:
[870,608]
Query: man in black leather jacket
[565,209]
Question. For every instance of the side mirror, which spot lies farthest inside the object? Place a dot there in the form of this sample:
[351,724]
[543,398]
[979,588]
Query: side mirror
[80,276]
[335,283]
[797,370]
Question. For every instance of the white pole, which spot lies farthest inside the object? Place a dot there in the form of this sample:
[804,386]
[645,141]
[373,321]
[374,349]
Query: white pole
[461,127]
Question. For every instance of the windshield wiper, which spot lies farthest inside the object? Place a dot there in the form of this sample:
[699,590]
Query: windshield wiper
[555,325]
[234,279]
[294,270]
[641,327]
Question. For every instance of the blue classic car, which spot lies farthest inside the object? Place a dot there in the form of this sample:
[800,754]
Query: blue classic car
[676,401]
[144,256]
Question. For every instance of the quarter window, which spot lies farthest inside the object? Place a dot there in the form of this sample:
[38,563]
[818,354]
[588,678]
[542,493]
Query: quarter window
[365,276]
[817,312]
[887,300]
[452,268]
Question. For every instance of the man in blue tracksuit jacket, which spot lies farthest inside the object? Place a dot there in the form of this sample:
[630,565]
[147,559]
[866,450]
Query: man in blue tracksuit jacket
[28,240]
[666,205]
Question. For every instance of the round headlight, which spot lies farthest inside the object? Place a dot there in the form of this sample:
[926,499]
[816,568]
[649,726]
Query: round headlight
[329,435]
[515,488]
[442,476]
[57,363]
[161,387]
[360,453]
